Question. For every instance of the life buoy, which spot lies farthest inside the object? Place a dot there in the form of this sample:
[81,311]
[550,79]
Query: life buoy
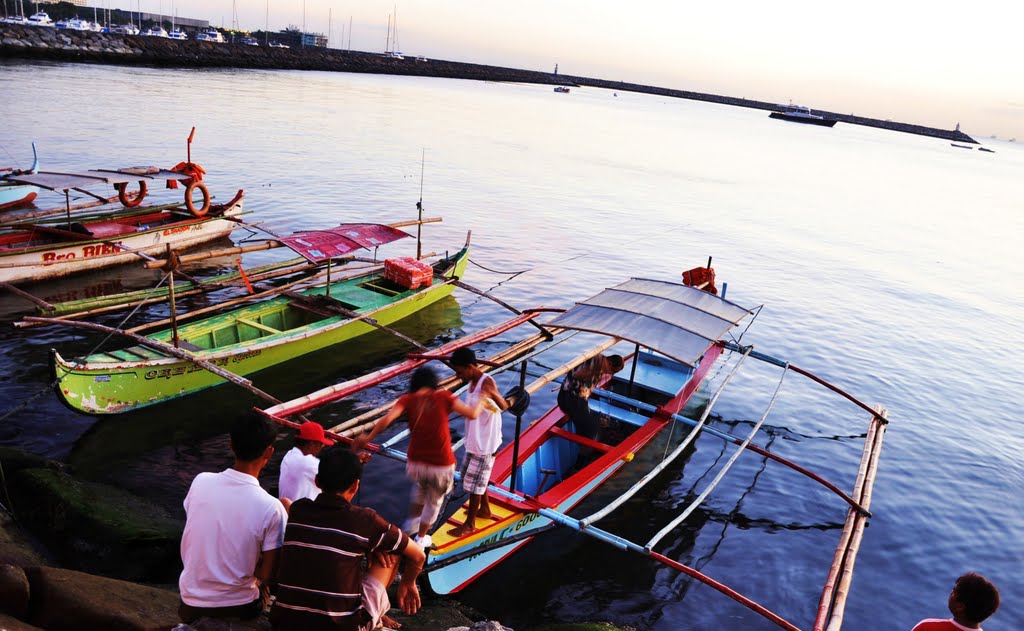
[131,201]
[191,205]
[190,169]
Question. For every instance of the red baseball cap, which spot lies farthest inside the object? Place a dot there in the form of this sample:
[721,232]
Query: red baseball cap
[313,431]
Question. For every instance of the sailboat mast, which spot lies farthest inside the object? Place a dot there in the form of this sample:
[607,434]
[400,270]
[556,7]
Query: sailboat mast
[387,41]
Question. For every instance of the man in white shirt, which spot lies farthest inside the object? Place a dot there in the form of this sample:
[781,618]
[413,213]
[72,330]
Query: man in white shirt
[300,464]
[233,532]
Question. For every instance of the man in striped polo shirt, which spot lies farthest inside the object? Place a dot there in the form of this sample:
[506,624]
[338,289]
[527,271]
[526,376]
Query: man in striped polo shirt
[322,583]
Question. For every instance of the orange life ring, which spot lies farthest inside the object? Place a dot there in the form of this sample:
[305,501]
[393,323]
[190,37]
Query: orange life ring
[131,201]
[191,205]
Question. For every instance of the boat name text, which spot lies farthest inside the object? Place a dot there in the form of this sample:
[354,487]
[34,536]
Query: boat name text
[101,249]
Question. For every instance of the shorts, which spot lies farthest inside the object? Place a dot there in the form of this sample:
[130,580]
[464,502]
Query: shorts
[375,602]
[431,483]
[476,472]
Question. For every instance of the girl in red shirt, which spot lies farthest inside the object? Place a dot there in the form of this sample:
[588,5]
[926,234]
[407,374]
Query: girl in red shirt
[431,463]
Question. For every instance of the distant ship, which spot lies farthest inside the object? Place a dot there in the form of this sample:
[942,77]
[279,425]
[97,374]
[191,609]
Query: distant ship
[562,89]
[801,114]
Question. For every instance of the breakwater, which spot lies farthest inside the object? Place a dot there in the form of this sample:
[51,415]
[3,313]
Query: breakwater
[29,42]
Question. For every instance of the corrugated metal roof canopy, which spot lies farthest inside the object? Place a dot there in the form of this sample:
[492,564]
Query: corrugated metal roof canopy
[57,181]
[673,319]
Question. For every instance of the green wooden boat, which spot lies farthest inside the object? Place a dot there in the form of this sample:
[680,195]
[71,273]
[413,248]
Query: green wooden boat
[244,340]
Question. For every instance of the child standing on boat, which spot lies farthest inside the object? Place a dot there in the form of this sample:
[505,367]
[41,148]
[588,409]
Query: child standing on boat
[431,462]
[483,436]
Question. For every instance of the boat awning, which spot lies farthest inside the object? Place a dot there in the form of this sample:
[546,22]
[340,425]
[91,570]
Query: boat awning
[672,319]
[320,245]
[66,181]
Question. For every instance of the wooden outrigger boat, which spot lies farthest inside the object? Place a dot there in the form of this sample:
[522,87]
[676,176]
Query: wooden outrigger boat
[60,241]
[46,250]
[678,334]
[174,362]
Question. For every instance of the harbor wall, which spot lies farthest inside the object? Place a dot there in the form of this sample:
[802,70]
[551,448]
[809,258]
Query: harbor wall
[42,43]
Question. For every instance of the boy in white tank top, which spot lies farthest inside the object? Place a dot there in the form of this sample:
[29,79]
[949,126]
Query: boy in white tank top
[483,436]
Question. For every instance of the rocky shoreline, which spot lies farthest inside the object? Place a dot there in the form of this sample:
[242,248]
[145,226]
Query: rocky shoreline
[27,42]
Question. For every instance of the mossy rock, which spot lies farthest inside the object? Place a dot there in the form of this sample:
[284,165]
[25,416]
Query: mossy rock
[98,528]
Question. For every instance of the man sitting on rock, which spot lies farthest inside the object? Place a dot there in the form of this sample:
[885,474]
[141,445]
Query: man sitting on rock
[233,531]
[321,580]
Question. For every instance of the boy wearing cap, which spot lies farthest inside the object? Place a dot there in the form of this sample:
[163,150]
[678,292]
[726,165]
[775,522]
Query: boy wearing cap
[483,436]
[299,465]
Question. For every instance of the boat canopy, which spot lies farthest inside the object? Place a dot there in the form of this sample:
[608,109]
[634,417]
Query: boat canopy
[66,181]
[320,245]
[670,318]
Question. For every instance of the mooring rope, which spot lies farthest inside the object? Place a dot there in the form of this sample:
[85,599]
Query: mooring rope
[718,478]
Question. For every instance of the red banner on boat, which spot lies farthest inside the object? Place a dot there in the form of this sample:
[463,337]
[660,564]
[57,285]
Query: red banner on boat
[320,245]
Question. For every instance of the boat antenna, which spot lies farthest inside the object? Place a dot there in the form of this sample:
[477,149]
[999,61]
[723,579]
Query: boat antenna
[419,208]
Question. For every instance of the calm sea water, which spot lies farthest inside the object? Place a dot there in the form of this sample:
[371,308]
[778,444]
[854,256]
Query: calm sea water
[886,263]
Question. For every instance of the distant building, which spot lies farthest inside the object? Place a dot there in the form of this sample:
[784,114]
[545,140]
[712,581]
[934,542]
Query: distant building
[295,38]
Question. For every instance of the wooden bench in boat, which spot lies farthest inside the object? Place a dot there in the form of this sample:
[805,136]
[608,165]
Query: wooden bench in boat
[580,440]
[626,416]
[256,325]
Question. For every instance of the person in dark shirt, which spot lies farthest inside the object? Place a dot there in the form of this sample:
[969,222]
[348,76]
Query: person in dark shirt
[321,580]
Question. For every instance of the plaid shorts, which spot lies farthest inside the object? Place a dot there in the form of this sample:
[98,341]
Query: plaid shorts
[476,472]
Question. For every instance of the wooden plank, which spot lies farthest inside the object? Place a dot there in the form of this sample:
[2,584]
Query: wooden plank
[257,325]
[580,440]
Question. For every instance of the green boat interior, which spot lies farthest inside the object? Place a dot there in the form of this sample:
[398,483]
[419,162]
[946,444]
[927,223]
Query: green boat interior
[279,315]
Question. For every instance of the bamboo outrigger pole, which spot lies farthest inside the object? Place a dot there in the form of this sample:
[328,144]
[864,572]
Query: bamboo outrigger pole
[266,245]
[239,381]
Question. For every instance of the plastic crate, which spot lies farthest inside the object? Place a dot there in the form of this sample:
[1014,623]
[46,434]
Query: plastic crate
[408,272]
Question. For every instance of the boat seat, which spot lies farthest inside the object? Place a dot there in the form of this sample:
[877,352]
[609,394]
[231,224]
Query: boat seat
[105,229]
[581,440]
[257,325]
[617,413]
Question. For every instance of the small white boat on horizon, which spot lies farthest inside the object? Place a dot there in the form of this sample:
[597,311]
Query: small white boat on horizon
[801,114]
[125,29]
[40,18]
[211,35]
[155,31]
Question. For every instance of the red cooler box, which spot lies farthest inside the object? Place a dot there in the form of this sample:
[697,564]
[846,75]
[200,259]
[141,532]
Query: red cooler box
[408,272]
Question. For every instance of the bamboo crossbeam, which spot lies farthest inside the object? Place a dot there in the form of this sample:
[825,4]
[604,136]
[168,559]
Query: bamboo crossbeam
[256,247]
[239,381]
[28,217]
[346,388]
[843,589]
[364,421]
[555,373]
[131,298]
[832,602]
[27,296]
[242,299]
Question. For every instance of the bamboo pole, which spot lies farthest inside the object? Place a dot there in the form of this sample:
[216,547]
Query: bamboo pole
[843,589]
[484,294]
[27,296]
[130,298]
[359,424]
[830,600]
[239,381]
[155,296]
[236,301]
[266,245]
[346,388]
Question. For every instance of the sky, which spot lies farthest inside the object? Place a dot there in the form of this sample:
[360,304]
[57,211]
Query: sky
[935,63]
